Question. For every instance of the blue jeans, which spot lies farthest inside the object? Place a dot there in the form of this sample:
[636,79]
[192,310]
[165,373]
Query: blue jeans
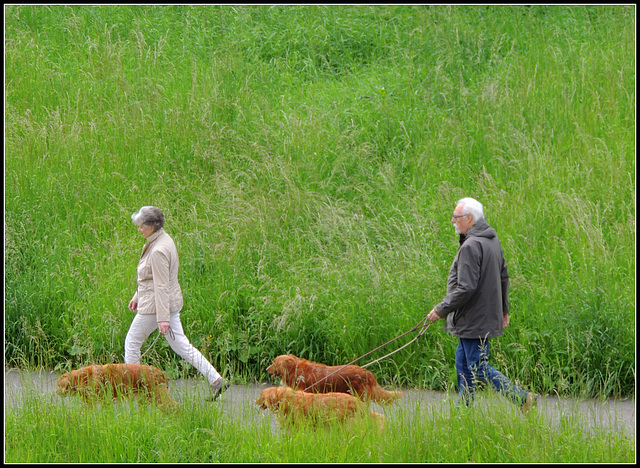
[472,364]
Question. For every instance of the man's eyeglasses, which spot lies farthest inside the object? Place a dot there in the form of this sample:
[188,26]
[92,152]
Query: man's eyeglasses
[460,216]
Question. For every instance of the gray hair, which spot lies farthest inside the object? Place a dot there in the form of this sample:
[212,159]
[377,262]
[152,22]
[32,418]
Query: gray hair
[472,207]
[150,216]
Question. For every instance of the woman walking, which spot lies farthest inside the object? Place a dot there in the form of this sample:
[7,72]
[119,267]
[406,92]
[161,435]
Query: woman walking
[158,299]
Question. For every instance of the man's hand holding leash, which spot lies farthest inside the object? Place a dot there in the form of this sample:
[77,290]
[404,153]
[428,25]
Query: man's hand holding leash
[433,316]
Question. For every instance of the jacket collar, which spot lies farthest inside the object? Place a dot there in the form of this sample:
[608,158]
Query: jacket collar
[151,239]
[155,235]
[479,229]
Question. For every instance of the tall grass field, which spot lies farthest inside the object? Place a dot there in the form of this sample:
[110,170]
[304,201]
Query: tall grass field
[308,160]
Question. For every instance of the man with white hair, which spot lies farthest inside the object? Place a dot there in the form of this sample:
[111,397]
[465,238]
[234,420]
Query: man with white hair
[476,306]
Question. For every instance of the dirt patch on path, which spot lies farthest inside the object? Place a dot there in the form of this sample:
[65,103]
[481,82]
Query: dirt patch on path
[613,414]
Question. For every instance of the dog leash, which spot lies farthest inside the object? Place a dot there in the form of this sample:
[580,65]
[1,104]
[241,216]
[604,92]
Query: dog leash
[424,329]
[171,334]
[421,325]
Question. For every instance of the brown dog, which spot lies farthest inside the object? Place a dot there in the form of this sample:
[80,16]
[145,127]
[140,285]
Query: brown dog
[300,374]
[318,408]
[116,381]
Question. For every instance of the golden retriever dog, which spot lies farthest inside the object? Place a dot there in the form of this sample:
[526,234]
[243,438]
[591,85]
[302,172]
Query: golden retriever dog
[317,408]
[117,381]
[300,374]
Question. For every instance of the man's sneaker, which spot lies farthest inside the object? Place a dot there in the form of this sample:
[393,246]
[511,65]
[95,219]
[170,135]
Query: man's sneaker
[529,402]
[217,391]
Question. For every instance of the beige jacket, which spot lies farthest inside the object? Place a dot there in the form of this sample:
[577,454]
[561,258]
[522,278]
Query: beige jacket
[158,291]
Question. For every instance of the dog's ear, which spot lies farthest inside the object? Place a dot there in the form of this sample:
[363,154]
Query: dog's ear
[80,377]
[63,382]
[284,368]
[270,399]
[276,362]
[290,364]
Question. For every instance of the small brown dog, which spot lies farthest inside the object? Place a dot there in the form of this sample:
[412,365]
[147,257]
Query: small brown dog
[300,374]
[117,381]
[317,408]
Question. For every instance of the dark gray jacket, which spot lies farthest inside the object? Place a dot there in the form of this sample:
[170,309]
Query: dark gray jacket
[477,287]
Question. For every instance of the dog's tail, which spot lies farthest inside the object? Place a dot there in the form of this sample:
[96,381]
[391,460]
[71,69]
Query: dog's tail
[382,396]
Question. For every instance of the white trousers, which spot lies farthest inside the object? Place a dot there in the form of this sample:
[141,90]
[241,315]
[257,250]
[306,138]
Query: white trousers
[143,325]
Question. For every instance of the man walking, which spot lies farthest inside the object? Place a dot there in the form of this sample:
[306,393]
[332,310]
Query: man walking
[476,306]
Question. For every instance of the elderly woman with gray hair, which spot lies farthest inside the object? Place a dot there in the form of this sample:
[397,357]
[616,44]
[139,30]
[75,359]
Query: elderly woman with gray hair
[158,299]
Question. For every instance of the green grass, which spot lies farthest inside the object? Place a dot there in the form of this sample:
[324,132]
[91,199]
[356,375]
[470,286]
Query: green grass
[64,431]
[308,159]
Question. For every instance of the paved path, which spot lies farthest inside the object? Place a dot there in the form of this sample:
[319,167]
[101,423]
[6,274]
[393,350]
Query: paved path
[612,414]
